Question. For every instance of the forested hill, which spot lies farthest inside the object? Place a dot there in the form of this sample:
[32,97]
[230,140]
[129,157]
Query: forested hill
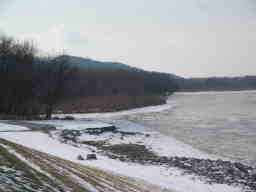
[34,84]
[184,84]
[217,83]
[90,64]
[114,77]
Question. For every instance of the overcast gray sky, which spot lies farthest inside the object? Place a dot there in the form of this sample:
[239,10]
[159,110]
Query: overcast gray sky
[191,38]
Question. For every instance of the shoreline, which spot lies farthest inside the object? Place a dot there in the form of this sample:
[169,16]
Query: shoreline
[147,109]
[108,103]
[136,154]
[211,171]
[213,92]
[188,162]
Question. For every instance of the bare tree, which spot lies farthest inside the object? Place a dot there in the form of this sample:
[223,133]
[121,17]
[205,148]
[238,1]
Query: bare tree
[16,75]
[56,72]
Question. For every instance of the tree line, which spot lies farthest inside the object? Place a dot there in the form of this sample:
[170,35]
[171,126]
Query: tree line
[32,85]
[217,83]
[28,83]
[119,82]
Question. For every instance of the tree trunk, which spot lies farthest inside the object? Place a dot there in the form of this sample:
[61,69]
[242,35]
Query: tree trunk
[49,110]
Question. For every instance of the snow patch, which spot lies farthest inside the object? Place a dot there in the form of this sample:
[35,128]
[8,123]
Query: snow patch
[8,127]
[74,125]
[169,178]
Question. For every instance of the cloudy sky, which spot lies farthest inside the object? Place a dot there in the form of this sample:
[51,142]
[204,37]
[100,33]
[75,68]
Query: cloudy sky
[192,38]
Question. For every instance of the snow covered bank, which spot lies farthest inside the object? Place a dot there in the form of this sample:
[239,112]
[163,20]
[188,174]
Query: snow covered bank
[160,144]
[149,109]
[46,173]
[169,178]
[8,127]
[74,125]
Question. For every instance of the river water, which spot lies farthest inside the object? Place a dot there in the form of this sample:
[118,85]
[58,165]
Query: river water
[220,123]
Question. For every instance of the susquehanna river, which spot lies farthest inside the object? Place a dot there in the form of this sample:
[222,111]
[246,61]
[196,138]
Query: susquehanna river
[220,123]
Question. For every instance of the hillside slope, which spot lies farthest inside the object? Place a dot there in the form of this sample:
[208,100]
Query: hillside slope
[86,63]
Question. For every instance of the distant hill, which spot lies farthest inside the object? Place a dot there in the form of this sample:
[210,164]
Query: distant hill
[184,84]
[86,63]
[91,64]
[118,73]
[217,83]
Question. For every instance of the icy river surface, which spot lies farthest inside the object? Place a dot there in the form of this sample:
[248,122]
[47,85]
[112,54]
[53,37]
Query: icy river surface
[220,123]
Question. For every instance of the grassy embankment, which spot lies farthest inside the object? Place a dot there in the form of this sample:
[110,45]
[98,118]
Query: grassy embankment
[29,170]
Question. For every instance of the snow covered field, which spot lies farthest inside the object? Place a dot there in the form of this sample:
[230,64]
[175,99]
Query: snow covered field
[169,178]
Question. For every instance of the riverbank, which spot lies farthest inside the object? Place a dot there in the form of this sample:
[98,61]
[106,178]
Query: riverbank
[163,177]
[134,152]
[109,115]
[26,169]
[138,152]
[100,104]
[151,149]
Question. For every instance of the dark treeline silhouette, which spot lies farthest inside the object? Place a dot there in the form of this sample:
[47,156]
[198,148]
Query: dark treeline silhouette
[29,84]
[32,85]
[119,82]
[115,89]
[16,76]
[218,84]
[118,79]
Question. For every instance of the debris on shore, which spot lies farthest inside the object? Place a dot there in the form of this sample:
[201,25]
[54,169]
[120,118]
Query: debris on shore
[211,171]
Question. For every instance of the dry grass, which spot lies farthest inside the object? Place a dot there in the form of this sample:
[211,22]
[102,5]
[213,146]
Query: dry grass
[108,103]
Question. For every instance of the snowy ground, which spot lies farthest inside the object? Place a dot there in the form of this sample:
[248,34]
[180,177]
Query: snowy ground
[160,144]
[70,125]
[149,109]
[169,178]
[7,127]
[24,169]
